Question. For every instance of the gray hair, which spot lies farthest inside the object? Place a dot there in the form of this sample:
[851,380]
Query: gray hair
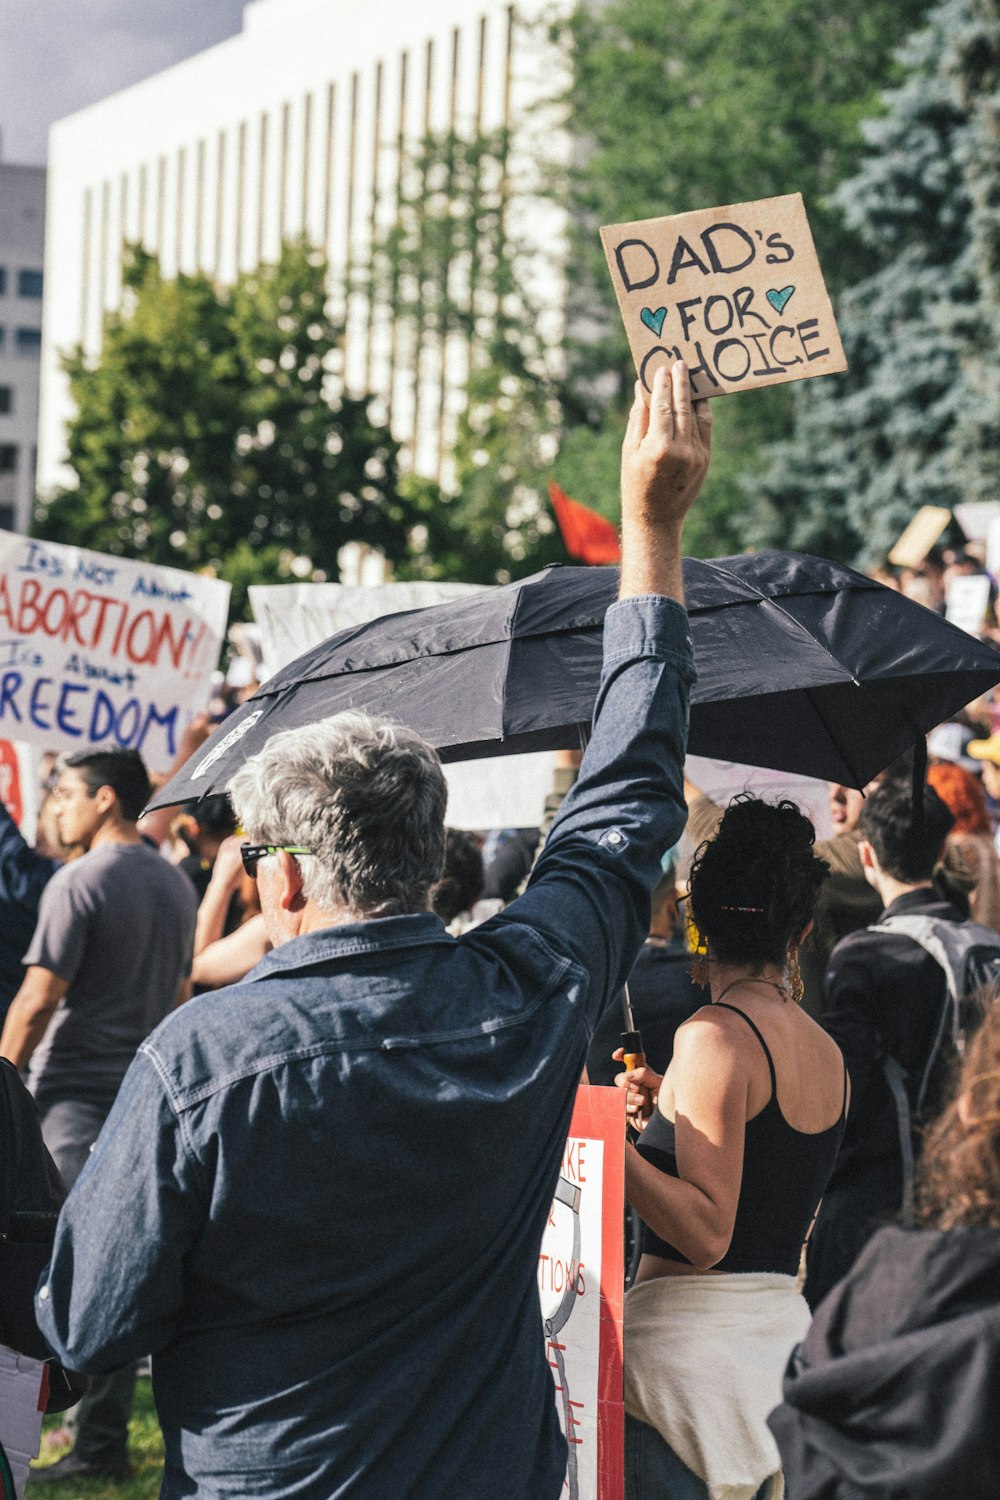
[365,795]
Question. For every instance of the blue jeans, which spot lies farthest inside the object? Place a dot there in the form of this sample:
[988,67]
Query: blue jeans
[654,1472]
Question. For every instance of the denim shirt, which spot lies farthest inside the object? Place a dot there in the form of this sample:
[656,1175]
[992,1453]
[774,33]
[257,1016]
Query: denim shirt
[319,1198]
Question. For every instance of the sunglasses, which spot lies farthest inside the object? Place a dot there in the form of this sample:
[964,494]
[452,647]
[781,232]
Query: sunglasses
[251,854]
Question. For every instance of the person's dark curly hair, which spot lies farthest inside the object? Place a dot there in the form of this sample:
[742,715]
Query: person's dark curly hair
[753,887]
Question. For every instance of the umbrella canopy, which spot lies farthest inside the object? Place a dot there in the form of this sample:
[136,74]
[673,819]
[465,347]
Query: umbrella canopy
[803,665]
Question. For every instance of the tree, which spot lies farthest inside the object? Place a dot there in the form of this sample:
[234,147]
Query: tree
[916,419]
[213,432]
[460,286]
[685,104]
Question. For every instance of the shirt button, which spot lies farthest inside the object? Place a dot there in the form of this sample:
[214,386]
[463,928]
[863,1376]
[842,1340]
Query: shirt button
[614,837]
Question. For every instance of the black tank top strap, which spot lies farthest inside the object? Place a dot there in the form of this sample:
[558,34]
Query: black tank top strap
[843,1107]
[756,1031]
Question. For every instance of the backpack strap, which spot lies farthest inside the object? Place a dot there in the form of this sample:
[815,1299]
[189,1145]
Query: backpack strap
[948,943]
[896,1079]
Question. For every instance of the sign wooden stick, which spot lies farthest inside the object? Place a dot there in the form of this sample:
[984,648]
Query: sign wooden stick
[736,292]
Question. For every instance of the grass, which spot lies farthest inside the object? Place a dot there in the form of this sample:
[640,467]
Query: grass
[145,1452]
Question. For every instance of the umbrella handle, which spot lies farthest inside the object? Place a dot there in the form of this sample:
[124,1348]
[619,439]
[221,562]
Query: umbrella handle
[632,1054]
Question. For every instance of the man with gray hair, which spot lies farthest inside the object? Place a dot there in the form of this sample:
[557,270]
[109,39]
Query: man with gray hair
[320,1197]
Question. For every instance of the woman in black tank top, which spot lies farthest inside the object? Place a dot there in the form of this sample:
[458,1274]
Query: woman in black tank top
[739,1139]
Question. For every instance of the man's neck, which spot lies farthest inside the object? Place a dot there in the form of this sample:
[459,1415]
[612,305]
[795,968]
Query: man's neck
[890,889]
[116,831]
[312,918]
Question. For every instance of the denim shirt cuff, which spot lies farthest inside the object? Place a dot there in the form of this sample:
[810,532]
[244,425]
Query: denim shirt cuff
[649,625]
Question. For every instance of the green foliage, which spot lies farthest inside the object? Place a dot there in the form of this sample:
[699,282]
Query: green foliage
[917,418]
[212,431]
[145,1445]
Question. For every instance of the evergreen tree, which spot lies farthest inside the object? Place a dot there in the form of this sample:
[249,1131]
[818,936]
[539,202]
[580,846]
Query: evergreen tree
[212,431]
[976,67]
[915,419]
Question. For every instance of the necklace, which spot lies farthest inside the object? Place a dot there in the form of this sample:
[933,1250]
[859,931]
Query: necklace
[735,983]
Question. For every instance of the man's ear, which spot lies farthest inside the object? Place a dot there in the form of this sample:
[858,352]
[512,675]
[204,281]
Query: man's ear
[105,797]
[290,896]
[869,860]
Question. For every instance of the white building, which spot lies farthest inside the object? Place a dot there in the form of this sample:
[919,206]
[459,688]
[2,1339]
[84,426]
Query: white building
[301,124]
[22,237]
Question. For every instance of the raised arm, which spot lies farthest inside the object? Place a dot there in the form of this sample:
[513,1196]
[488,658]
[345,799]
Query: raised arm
[589,892]
[664,462]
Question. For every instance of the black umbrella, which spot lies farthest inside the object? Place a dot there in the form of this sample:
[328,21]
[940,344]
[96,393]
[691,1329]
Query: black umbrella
[803,666]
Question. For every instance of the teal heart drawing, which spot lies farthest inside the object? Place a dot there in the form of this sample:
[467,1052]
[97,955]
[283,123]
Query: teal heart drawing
[779,300]
[654,320]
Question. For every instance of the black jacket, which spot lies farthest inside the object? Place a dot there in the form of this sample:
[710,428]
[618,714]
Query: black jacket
[895,1393]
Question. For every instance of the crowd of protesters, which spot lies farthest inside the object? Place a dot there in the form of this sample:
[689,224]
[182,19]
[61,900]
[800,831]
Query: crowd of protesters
[315,1191]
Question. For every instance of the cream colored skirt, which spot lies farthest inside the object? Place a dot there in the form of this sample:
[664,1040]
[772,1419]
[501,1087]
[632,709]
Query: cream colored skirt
[704,1359]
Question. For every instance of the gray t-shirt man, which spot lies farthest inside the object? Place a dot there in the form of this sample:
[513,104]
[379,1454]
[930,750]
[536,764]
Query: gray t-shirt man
[118,926]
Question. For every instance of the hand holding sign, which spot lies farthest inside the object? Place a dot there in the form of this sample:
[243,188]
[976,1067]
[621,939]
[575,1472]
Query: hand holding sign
[735,292]
[666,451]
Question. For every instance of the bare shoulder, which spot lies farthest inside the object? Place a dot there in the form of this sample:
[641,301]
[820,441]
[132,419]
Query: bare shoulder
[713,1028]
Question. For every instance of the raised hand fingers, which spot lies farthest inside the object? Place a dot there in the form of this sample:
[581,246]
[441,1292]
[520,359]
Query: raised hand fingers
[661,407]
[638,420]
[680,382]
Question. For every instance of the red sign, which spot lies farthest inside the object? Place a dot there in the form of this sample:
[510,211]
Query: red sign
[580,1281]
[10,782]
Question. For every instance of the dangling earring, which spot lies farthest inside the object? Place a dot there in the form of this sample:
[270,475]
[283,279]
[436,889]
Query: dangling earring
[700,970]
[791,980]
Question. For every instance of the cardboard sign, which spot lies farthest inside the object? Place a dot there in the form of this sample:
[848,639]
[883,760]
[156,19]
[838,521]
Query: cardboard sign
[736,292]
[922,533]
[98,650]
[505,792]
[581,1277]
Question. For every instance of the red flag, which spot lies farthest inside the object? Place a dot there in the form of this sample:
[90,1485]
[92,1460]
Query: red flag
[588,536]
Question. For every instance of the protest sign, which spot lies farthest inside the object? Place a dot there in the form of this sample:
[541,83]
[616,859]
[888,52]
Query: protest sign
[294,617]
[976,517]
[736,292]
[581,1277]
[967,600]
[722,780]
[19,786]
[505,792]
[100,651]
[922,533]
[23,1388]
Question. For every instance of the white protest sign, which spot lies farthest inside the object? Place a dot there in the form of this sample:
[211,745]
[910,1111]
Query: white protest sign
[504,792]
[294,617]
[976,517]
[21,1405]
[580,1291]
[967,601]
[101,651]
